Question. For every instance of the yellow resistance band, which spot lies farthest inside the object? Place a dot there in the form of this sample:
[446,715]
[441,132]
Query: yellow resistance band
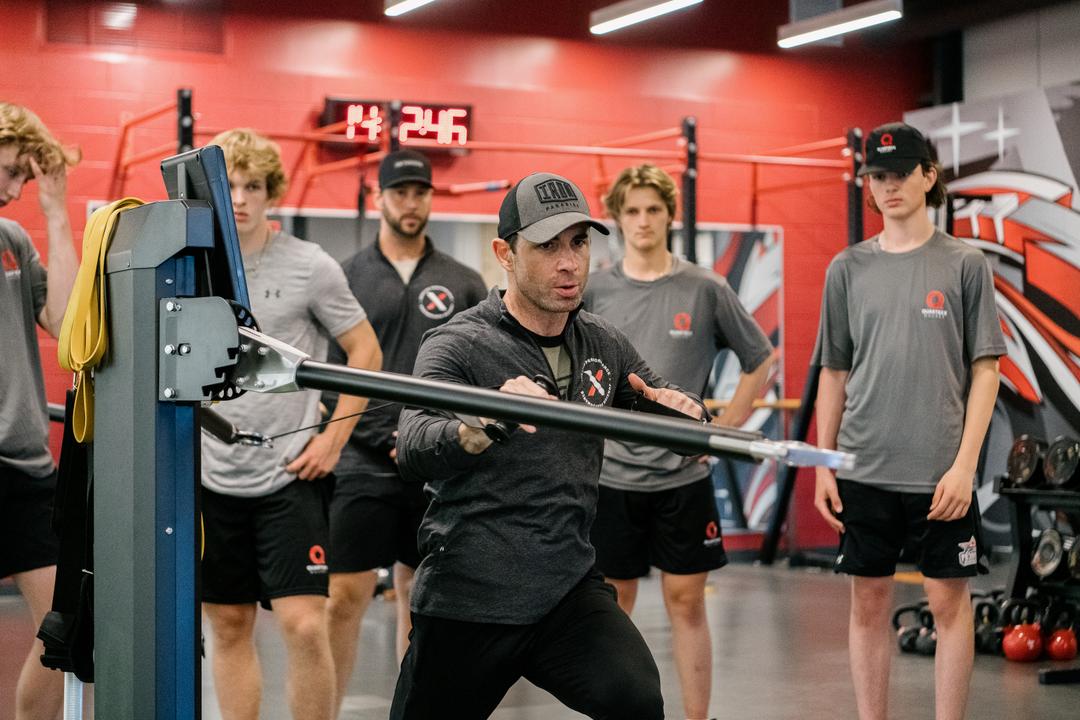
[84,333]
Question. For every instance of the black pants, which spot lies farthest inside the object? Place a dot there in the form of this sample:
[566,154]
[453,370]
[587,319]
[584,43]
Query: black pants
[585,652]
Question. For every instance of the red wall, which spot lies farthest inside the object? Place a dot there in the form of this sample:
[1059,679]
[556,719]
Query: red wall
[274,74]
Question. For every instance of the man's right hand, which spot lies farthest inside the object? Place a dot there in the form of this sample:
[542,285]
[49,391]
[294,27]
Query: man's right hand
[827,498]
[474,440]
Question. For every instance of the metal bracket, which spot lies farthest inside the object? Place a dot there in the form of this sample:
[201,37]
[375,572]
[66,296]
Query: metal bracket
[197,340]
[265,364]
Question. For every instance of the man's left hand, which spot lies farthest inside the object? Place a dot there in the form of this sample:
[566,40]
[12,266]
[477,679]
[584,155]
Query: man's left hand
[665,396]
[318,458]
[952,496]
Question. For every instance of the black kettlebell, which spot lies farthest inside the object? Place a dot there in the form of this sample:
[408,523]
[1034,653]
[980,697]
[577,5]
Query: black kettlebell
[906,635]
[988,630]
[926,642]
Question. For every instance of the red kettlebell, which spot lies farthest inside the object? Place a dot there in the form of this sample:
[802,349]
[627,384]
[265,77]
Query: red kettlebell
[1061,644]
[1024,643]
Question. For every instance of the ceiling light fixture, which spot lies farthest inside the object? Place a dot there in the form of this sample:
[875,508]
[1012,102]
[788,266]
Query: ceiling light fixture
[630,12]
[831,24]
[393,8]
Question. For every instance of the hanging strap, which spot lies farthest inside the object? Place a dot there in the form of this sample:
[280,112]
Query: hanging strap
[84,333]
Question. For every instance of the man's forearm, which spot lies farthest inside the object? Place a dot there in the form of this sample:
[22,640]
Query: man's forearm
[830,406]
[429,446]
[980,407]
[748,388]
[63,264]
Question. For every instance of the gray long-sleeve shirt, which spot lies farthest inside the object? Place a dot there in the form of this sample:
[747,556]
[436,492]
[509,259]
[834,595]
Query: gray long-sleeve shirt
[507,533]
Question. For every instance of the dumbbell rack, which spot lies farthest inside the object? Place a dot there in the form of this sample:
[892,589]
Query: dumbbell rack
[1021,502]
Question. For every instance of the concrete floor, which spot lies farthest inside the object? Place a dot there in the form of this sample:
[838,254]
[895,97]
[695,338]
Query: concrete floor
[780,653]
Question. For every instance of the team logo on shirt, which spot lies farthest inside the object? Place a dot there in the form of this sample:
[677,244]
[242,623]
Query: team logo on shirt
[969,552]
[680,326]
[595,382]
[935,306]
[10,263]
[712,534]
[436,302]
[317,556]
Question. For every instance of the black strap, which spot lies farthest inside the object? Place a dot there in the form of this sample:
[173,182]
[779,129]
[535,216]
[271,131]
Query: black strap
[68,630]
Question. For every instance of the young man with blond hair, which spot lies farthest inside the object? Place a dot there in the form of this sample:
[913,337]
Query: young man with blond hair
[657,508]
[31,296]
[265,508]
[908,347]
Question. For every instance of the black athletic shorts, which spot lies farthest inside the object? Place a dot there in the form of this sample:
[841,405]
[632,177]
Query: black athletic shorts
[585,651]
[676,530]
[27,540]
[370,530]
[880,524]
[262,548]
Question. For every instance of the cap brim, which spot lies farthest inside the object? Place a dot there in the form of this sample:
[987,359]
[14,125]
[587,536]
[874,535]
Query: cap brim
[546,229]
[895,165]
[408,179]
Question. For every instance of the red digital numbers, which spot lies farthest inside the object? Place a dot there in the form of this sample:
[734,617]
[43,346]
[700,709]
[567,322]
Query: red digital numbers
[442,123]
[365,117]
[445,125]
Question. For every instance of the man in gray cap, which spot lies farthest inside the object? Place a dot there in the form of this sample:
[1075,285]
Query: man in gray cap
[507,587]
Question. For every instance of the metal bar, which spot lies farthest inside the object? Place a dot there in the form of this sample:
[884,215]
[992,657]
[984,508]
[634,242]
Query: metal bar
[679,435]
[689,189]
[160,151]
[854,187]
[775,160]
[645,137]
[753,195]
[782,187]
[589,150]
[735,493]
[809,147]
[769,545]
[781,404]
[185,121]
[116,185]
[310,136]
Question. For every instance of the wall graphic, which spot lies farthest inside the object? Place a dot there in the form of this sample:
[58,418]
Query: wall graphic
[752,262]
[1012,164]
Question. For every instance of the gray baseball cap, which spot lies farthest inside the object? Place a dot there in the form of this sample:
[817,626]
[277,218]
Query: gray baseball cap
[541,206]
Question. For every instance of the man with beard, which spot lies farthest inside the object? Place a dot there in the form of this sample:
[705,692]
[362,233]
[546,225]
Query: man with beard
[506,588]
[407,287]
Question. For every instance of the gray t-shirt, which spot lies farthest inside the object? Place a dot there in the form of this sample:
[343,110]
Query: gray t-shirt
[298,295]
[24,421]
[907,326]
[678,323]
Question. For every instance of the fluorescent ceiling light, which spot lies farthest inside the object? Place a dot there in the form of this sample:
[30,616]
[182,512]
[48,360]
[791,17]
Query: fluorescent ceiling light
[393,8]
[119,16]
[619,15]
[831,24]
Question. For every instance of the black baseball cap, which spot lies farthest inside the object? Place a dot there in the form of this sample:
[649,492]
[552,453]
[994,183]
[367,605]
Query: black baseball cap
[404,166]
[895,147]
[541,206]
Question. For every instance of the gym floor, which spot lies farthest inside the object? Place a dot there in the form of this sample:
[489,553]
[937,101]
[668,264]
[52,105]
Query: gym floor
[780,652]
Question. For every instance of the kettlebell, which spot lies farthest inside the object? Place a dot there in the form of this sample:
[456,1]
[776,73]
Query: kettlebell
[988,631]
[926,641]
[1061,645]
[1024,643]
[906,635]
